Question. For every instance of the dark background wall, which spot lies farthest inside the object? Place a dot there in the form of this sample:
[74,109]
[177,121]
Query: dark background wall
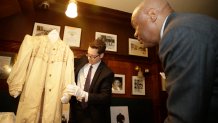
[149,108]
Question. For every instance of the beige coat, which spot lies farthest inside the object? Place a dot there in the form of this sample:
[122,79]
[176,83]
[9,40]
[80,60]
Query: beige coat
[42,71]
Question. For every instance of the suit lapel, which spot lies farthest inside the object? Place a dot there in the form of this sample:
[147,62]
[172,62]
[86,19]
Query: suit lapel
[82,62]
[96,76]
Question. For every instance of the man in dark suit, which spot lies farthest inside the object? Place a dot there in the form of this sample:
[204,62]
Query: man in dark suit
[92,105]
[188,50]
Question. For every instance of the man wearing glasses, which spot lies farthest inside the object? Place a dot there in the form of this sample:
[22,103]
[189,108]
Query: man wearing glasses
[90,103]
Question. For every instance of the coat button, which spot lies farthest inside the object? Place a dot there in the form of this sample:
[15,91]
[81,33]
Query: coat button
[49,89]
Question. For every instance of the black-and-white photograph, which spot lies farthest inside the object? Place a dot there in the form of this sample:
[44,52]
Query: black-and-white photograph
[119,114]
[118,85]
[109,39]
[136,48]
[138,85]
[44,29]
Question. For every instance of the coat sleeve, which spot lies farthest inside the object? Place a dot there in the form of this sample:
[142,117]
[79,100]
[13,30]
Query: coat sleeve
[185,60]
[17,76]
[69,72]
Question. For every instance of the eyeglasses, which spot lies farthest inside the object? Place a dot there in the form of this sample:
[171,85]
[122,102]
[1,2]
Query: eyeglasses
[92,56]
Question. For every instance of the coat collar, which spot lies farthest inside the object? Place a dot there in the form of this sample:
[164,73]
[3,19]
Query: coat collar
[169,19]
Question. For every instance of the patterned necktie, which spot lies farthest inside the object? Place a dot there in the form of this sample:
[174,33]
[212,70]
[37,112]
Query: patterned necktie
[86,86]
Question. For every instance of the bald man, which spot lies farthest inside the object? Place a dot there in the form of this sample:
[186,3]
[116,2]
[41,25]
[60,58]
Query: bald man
[188,50]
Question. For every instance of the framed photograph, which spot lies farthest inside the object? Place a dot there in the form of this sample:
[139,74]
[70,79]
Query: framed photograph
[119,114]
[7,60]
[118,85]
[109,39]
[136,48]
[44,29]
[72,36]
[138,85]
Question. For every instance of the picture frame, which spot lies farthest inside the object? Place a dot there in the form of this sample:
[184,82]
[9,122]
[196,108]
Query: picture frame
[44,29]
[138,85]
[109,39]
[72,36]
[136,48]
[119,114]
[7,61]
[118,85]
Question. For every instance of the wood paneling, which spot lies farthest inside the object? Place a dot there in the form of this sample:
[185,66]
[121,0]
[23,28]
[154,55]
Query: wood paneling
[9,7]
[92,19]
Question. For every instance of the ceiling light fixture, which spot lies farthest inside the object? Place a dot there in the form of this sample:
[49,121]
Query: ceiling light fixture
[71,11]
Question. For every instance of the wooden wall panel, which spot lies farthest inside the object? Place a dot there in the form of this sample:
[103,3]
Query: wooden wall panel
[92,19]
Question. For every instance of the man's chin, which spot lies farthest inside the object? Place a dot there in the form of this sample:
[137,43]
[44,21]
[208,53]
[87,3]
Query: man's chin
[147,45]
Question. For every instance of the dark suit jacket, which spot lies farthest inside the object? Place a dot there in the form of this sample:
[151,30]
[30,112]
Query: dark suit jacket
[98,110]
[189,53]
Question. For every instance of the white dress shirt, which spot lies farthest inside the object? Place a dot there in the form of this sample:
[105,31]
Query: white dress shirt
[162,28]
[84,72]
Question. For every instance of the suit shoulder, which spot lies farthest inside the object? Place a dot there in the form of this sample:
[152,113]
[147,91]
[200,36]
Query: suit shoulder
[107,69]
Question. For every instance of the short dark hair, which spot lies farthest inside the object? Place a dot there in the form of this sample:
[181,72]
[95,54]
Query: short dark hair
[98,44]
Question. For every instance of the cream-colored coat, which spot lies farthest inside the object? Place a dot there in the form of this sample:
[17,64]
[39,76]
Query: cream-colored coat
[42,71]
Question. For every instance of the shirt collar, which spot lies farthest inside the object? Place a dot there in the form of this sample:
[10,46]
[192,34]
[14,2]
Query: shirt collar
[94,65]
[162,28]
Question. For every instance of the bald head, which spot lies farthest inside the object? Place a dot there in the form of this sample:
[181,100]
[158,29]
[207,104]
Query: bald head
[162,6]
[147,20]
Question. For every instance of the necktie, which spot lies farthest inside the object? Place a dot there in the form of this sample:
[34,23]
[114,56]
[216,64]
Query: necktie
[86,86]
[88,79]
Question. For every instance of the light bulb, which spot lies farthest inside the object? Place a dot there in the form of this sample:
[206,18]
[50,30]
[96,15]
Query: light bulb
[71,10]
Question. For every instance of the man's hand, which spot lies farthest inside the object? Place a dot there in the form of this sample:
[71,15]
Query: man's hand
[76,91]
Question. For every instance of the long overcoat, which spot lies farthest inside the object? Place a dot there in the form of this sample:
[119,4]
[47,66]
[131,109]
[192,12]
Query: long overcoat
[41,72]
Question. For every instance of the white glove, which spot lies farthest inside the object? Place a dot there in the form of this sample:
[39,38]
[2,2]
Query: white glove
[76,91]
[80,99]
[65,98]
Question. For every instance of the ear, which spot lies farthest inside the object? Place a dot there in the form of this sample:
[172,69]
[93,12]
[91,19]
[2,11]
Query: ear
[152,13]
[101,55]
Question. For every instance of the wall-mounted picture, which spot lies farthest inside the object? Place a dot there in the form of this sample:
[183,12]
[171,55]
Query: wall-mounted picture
[109,39]
[138,85]
[7,60]
[119,114]
[72,36]
[136,48]
[118,85]
[44,29]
